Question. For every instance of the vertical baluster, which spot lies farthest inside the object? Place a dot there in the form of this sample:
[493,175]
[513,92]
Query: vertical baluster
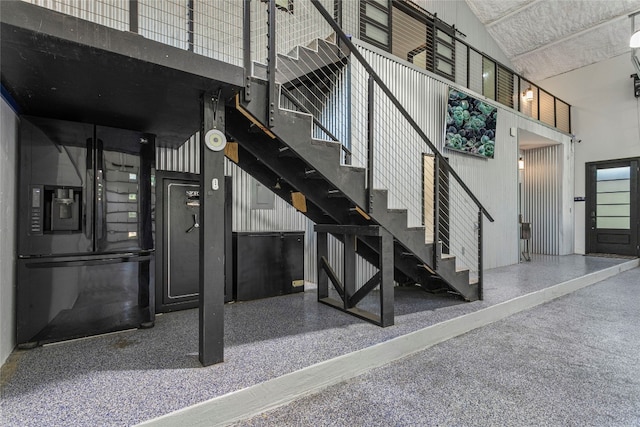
[271,61]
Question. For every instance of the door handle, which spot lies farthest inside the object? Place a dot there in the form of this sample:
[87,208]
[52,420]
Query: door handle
[195,224]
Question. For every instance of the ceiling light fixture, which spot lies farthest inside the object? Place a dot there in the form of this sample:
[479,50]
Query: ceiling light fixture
[528,94]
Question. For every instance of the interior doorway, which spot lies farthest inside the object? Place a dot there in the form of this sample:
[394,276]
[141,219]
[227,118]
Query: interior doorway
[612,193]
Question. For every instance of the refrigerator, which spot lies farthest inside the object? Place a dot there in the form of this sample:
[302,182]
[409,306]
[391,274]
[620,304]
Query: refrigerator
[85,243]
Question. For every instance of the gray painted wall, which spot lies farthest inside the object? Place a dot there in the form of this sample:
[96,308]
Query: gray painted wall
[8,185]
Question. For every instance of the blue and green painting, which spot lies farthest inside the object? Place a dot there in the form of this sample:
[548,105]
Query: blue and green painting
[471,125]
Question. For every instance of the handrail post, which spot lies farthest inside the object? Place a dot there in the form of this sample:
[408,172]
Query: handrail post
[436,210]
[480,284]
[190,28]
[133,16]
[246,48]
[370,137]
[271,61]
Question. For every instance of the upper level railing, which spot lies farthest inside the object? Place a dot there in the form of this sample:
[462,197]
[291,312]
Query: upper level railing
[215,28]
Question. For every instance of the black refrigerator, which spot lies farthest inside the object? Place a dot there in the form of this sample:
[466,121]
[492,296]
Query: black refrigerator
[85,244]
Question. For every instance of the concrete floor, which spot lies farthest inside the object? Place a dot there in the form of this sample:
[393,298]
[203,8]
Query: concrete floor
[574,361]
[133,376]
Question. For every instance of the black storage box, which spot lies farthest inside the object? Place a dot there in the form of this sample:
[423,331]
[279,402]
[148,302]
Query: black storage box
[267,264]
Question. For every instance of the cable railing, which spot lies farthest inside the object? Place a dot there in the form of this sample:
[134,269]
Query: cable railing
[330,78]
[216,29]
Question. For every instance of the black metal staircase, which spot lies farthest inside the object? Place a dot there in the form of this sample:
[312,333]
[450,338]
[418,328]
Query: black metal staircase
[276,146]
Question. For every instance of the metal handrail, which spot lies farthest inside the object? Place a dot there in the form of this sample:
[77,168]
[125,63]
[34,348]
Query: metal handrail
[354,51]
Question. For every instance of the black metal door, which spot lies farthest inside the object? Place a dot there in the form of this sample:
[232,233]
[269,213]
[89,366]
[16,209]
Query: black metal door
[178,241]
[612,207]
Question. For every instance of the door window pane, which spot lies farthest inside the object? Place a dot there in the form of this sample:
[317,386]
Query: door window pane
[613,200]
[617,223]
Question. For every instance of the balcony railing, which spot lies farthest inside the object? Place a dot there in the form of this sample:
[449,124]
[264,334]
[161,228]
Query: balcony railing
[215,29]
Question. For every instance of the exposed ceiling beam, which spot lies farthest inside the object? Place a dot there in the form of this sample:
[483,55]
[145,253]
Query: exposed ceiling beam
[511,13]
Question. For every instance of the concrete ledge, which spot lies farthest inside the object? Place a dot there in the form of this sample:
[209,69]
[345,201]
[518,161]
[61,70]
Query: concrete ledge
[268,395]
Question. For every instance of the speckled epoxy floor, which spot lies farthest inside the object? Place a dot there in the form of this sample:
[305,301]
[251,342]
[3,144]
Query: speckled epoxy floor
[574,361]
[133,376]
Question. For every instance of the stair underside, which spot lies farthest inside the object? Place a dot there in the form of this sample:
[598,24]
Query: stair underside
[335,194]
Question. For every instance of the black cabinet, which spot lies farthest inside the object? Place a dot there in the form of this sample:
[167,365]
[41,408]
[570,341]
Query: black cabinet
[267,264]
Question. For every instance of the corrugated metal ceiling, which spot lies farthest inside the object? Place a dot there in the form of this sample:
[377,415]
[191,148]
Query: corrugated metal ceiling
[544,38]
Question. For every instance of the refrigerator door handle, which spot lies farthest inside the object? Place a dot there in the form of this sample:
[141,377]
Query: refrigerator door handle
[83,263]
[100,195]
[89,206]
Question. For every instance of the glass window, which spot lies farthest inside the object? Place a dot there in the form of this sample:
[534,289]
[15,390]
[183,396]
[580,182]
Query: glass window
[613,198]
[488,78]
[376,34]
[374,22]
[380,16]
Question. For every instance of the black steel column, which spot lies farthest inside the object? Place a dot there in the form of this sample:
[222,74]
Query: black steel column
[246,47]
[271,62]
[322,251]
[349,268]
[190,19]
[212,241]
[370,136]
[133,16]
[436,210]
[480,286]
[386,278]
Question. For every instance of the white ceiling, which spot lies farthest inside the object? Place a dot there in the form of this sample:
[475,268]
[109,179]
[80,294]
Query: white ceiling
[529,140]
[544,38]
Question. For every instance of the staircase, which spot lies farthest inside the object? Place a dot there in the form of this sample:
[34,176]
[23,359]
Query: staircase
[276,145]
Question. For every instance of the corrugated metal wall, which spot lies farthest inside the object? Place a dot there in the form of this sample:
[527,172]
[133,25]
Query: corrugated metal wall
[542,197]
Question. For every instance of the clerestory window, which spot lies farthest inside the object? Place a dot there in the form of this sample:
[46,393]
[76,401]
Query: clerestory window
[409,32]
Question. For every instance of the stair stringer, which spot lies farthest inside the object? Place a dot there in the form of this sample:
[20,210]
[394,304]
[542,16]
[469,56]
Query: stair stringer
[257,154]
[295,128]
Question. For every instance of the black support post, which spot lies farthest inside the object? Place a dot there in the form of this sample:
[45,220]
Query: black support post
[480,286]
[386,272]
[436,211]
[322,252]
[271,62]
[349,268]
[133,16]
[190,19]
[370,137]
[212,239]
[246,48]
